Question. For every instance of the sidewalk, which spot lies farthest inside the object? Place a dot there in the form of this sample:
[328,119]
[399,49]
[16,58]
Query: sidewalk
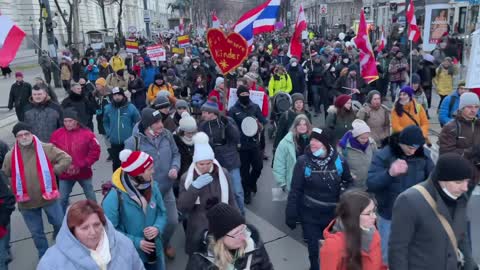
[7,117]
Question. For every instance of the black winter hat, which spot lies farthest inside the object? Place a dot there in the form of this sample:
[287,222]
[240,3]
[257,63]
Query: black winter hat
[321,135]
[452,167]
[223,218]
[150,116]
[21,126]
[412,136]
[71,113]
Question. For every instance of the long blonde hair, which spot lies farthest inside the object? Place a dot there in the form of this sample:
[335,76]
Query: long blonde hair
[223,256]
[297,122]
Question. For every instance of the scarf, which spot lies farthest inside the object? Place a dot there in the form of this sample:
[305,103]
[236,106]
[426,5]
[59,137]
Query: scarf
[187,141]
[354,143]
[222,178]
[101,255]
[45,173]
[321,163]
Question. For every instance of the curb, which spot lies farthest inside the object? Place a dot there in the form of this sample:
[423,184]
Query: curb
[8,121]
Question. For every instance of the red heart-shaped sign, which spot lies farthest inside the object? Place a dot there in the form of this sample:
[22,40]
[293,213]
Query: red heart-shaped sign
[227,51]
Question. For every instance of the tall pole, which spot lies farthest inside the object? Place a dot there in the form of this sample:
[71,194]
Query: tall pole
[52,45]
[147,23]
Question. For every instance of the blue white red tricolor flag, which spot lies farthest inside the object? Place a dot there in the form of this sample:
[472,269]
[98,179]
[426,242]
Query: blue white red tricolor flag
[11,37]
[258,20]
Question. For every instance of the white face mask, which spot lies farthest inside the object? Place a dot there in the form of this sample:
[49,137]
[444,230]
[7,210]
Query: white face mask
[294,64]
[345,61]
[332,69]
[449,194]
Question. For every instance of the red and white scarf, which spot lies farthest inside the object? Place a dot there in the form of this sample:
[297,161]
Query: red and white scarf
[46,175]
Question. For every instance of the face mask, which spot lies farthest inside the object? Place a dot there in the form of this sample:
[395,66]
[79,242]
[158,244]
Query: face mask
[445,190]
[443,45]
[294,64]
[195,67]
[244,99]
[332,69]
[319,153]
[345,61]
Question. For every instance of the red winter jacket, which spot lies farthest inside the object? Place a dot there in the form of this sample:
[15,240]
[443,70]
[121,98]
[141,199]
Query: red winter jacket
[334,251]
[82,145]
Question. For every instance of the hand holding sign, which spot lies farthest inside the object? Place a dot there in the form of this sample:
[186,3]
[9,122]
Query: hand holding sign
[228,52]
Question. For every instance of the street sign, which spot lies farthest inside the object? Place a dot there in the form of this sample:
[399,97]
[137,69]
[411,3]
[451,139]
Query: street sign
[323,9]
[366,10]
[146,15]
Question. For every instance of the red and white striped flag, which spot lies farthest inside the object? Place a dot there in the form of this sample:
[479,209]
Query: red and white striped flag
[215,20]
[181,26]
[383,42]
[413,30]
[368,66]
[11,37]
[295,48]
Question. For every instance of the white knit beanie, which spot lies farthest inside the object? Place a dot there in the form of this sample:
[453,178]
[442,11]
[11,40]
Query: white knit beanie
[359,127]
[219,81]
[187,123]
[202,149]
[468,99]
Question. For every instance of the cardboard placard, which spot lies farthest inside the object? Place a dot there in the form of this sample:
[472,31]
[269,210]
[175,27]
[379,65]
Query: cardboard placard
[228,52]
[156,53]
[255,96]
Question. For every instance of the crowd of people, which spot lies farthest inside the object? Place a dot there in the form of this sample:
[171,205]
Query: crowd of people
[183,153]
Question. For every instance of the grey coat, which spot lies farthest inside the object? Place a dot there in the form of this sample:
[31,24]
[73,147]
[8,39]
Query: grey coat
[358,162]
[418,240]
[197,213]
[164,152]
[69,254]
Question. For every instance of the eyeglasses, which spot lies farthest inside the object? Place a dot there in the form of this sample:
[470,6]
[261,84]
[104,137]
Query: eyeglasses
[239,233]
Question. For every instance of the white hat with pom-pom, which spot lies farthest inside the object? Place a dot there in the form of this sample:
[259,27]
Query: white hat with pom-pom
[202,149]
[187,123]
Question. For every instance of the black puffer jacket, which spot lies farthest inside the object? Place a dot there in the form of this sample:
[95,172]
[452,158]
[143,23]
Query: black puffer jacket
[45,118]
[203,259]
[186,154]
[82,105]
[316,187]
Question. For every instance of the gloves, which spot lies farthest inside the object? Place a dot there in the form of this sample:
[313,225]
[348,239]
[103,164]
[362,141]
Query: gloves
[291,224]
[202,181]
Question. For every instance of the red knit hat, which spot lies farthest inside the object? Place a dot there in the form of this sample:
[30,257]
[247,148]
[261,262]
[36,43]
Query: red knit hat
[341,100]
[135,162]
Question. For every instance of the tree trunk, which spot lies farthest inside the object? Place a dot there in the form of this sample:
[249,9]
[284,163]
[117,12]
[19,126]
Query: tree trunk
[76,24]
[104,17]
[119,22]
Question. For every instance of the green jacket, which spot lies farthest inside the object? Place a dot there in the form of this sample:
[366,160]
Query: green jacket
[284,161]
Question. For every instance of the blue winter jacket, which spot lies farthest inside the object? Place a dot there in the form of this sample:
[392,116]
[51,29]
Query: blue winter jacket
[132,219]
[444,114]
[119,121]
[92,75]
[387,188]
[69,254]
[148,75]
[164,152]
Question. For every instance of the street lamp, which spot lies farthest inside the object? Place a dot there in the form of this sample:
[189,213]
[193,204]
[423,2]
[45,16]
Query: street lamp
[30,19]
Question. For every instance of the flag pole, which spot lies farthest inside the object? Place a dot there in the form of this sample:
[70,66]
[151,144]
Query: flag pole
[411,61]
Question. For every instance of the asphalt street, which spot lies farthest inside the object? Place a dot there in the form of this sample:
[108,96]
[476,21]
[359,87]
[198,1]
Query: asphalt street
[285,247]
